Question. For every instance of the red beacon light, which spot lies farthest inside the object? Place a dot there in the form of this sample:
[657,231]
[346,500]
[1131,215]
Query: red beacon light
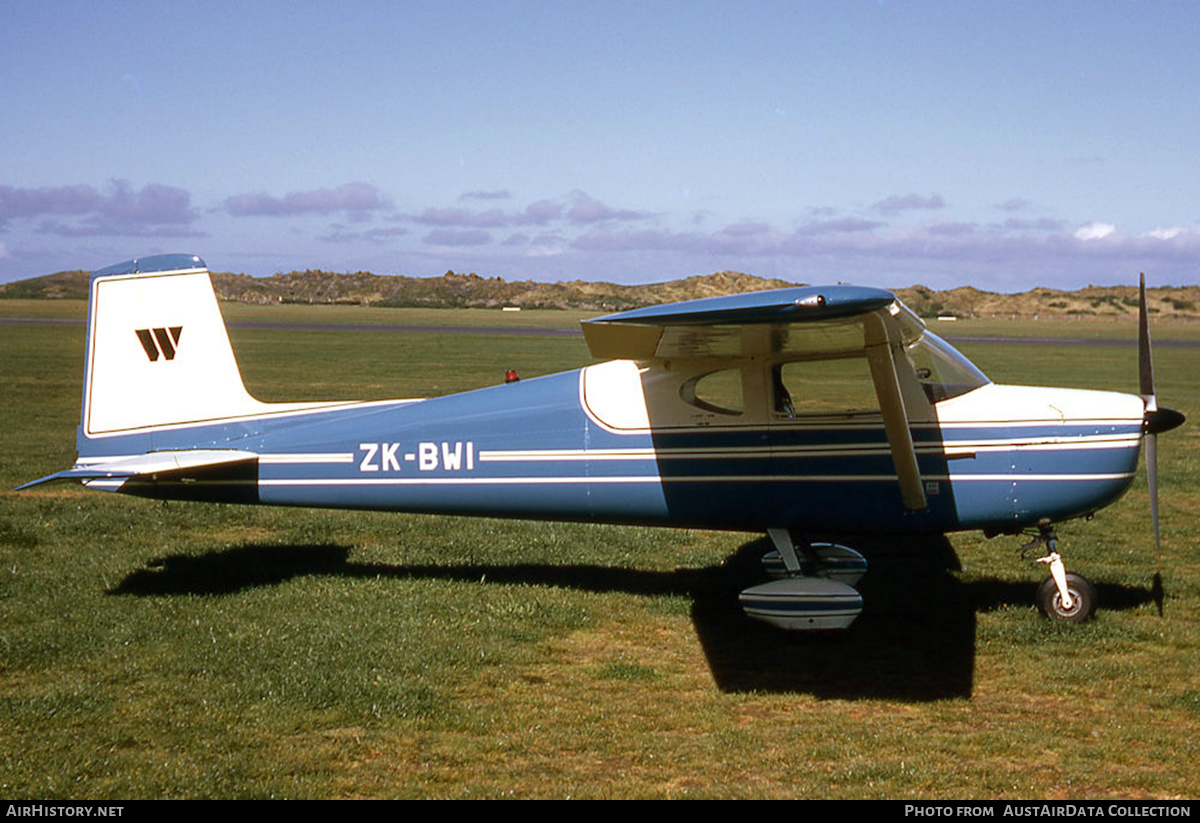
[510,376]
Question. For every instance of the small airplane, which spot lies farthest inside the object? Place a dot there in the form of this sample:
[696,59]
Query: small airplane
[800,412]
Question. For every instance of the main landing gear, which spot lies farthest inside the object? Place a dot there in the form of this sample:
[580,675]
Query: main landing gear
[814,587]
[1064,595]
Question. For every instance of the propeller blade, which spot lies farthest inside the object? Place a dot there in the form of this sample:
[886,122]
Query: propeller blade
[1145,362]
[1146,388]
[1154,421]
[1156,586]
[1152,482]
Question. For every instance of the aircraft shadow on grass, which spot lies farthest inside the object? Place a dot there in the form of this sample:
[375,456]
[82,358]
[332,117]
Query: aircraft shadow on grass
[916,641]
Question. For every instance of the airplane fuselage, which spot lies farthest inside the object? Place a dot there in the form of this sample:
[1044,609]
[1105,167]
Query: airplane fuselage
[535,449]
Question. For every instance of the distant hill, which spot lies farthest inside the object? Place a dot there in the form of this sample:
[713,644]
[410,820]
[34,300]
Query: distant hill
[453,290]
[471,290]
[64,285]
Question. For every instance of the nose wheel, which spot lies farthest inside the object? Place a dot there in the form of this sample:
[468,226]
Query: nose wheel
[1078,605]
[1064,595]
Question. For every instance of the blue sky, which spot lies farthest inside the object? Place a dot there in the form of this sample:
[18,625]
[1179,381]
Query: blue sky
[1004,145]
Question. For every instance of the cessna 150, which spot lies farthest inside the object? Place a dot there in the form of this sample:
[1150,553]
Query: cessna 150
[801,411]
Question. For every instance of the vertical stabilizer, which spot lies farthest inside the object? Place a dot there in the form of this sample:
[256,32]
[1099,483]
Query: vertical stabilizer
[158,353]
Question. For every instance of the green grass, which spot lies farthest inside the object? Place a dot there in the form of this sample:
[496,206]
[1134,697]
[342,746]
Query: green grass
[190,650]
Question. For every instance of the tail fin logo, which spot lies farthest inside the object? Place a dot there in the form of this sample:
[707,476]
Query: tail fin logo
[160,342]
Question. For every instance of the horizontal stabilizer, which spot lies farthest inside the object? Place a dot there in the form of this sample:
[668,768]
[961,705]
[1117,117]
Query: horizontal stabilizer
[126,467]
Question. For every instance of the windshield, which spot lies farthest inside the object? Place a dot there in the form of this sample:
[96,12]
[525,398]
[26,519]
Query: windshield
[942,370]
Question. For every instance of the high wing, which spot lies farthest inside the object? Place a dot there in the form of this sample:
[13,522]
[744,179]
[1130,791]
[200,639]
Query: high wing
[793,323]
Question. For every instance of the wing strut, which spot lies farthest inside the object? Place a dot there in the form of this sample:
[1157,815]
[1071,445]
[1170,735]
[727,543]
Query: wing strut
[882,348]
[782,539]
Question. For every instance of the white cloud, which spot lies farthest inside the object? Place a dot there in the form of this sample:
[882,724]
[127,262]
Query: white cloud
[1094,231]
[1164,234]
[546,246]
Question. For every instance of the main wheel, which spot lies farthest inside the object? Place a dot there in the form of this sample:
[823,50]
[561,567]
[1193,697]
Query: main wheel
[1083,599]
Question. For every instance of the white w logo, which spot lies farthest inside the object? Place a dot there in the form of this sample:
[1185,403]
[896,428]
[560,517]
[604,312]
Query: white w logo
[160,342]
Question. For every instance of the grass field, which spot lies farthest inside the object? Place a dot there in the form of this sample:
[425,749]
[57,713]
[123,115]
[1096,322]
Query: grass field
[190,650]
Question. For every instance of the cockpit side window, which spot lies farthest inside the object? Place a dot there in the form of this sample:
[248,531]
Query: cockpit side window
[823,387]
[719,392]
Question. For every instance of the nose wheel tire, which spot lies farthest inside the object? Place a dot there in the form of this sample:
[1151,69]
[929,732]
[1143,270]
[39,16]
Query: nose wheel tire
[1083,599]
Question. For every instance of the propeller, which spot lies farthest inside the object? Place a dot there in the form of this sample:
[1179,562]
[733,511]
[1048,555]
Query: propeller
[1154,421]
